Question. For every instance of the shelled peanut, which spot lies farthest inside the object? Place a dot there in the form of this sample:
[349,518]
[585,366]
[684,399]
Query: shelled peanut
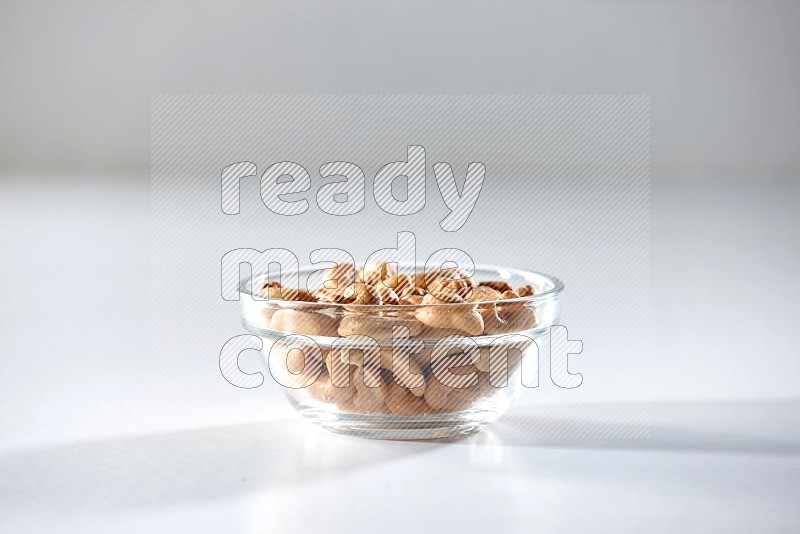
[473,307]
[379,304]
[393,381]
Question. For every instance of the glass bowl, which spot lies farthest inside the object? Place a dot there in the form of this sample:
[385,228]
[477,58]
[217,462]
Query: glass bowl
[435,369]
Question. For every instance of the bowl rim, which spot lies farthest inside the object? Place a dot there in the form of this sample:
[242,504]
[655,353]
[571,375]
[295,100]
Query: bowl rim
[245,286]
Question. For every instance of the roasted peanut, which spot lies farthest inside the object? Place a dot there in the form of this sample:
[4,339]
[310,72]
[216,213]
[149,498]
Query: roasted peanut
[446,288]
[304,322]
[329,296]
[325,391]
[400,401]
[400,283]
[258,312]
[295,363]
[404,368]
[387,296]
[525,291]
[485,363]
[265,316]
[378,326]
[368,399]
[266,286]
[498,358]
[411,300]
[423,279]
[360,294]
[455,353]
[422,358]
[429,332]
[275,291]
[497,285]
[300,360]
[406,371]
[376,272]
[482,294]
[341,373]
[349,406]
[507,318]
[445,398]
[464,318]
[302,295]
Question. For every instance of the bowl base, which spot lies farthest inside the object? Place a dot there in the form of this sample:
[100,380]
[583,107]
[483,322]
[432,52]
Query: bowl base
[440,426]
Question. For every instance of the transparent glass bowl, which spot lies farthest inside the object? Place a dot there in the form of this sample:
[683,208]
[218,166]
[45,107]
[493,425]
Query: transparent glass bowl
[405,371]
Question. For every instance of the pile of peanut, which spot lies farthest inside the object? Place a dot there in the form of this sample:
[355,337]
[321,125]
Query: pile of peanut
[407,381]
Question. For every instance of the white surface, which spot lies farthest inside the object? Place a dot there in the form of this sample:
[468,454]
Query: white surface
[706,467]
[98,435]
